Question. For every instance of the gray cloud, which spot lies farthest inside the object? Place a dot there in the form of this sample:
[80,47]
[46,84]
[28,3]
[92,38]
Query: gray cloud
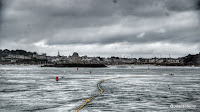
[182,5]
[100,22]
[1,10]
[198,5]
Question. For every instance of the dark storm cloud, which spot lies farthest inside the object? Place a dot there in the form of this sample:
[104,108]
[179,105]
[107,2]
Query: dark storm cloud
[38,19]
[198,5]
[102,22]
[1,10]
[182,5]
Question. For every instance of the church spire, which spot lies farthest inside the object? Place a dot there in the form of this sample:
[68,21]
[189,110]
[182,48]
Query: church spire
[58,53]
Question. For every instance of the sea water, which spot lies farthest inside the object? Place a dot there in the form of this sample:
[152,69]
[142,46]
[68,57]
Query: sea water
[133,89]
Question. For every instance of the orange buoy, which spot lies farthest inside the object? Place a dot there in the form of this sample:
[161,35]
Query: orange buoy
[88,100]
[57,78]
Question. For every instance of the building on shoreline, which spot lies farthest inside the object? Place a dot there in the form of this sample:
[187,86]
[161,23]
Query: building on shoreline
[24,57]
[21,57]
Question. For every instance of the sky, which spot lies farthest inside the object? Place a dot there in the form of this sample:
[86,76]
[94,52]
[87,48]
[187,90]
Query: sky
[124,28]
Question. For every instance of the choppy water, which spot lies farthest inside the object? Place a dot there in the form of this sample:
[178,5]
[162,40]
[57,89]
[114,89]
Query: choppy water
[32,88]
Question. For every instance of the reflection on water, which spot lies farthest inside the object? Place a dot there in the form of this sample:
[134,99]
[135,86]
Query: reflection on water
[31,88]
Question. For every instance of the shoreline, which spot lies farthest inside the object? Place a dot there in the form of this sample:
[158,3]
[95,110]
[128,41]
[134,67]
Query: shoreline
[75,65]
[106,65]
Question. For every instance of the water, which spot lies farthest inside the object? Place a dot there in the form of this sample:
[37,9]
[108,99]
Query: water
[32,88]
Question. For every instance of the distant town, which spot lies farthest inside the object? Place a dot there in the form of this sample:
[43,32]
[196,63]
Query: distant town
[33,58]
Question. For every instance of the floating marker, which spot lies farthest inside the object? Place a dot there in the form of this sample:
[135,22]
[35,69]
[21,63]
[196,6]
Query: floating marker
[77,68]
[101,91]
[90,72]
[57,78]
[169,87]
[88,100]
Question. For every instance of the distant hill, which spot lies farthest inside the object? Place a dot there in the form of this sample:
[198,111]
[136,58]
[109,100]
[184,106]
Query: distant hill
[7,52]
[192,59]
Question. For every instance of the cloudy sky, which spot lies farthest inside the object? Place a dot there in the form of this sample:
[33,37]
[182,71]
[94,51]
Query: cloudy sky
[131,28]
